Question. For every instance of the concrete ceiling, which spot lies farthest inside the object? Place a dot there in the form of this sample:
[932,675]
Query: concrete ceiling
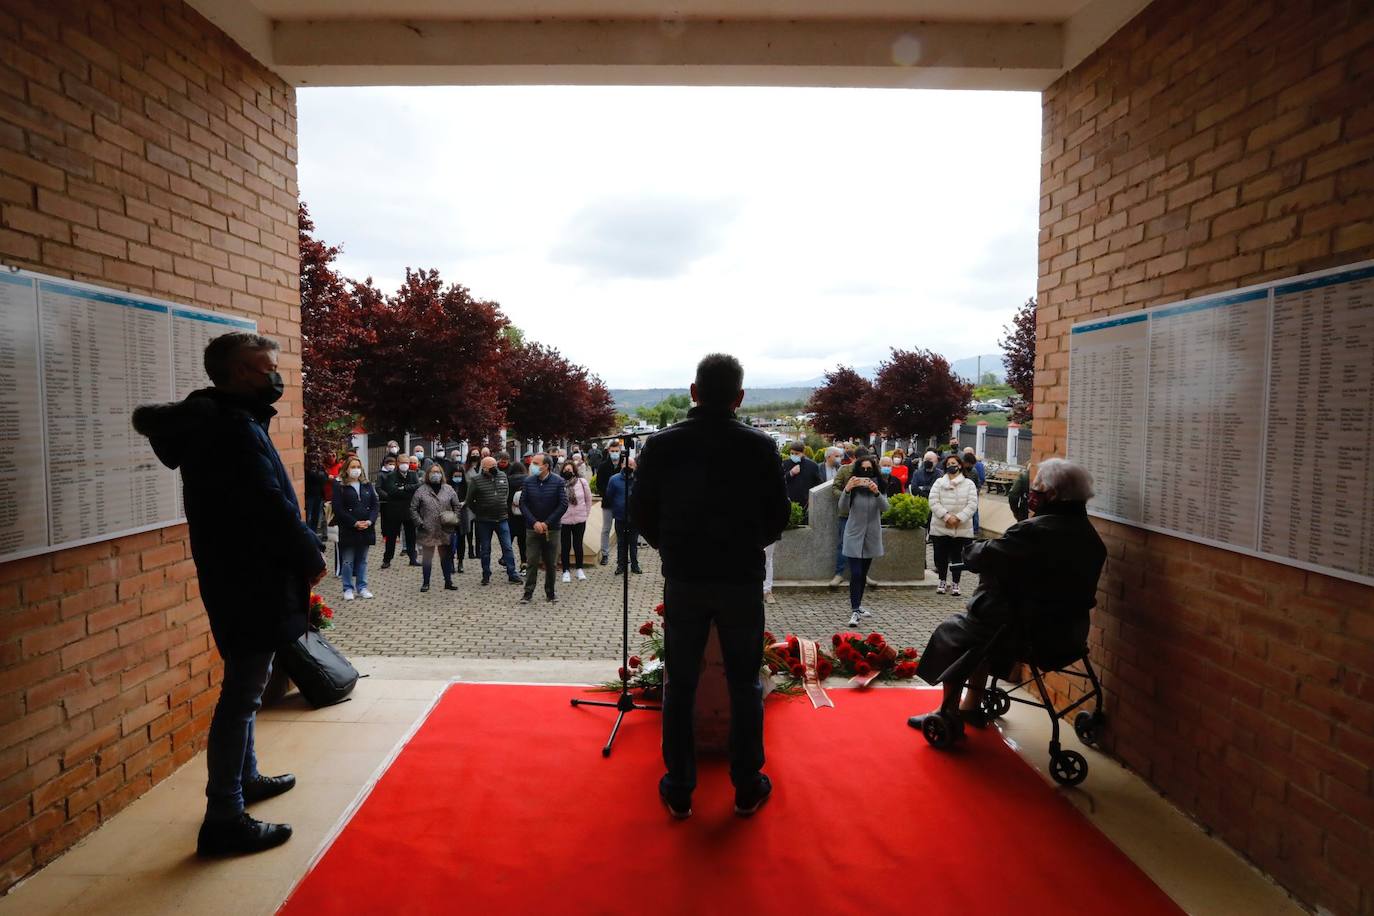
[947,44]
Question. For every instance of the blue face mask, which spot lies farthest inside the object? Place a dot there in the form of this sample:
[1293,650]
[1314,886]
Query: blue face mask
[796,459]
[885,471]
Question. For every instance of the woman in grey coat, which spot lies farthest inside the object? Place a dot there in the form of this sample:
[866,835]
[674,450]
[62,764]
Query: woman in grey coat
[863,533]
[427,506]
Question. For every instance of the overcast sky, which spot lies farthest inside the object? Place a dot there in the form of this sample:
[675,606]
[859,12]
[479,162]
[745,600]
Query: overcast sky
[636,229]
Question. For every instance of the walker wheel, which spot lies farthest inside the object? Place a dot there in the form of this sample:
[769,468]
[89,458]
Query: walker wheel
[939,732]
[1068,768]
[1088,727]
[996,703]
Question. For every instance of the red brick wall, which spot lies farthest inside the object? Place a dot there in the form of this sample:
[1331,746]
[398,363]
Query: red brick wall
[142,149]
[1209,146]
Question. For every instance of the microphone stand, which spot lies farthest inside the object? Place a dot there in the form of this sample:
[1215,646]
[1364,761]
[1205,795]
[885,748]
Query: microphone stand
[624,703]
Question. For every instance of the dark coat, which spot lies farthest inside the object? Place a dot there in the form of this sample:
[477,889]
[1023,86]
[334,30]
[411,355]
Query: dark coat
[922,480]
[395,490]
[890,484]
[617,498]
[544,500]
[710,520]
[352,507]
[799,486]
[1036,585]
[254,555]
[605,471]
[489,496]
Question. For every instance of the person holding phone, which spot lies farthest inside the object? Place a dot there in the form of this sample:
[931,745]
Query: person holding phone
[865,502]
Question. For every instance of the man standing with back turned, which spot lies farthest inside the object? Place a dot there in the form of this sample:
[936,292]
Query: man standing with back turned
[710,521]
[255,558]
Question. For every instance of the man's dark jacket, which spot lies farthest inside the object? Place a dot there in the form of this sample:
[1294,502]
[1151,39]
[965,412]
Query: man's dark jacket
[605,471]
[395,490]
[489,496]
[710,520]
[545,500]
[799,487]
[254,555]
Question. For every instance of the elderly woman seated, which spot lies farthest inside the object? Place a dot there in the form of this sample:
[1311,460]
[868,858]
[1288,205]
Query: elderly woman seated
[1036,586]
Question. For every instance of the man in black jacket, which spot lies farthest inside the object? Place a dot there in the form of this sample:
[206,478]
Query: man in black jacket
[608,467]
[710,521]
[255,557]
[800,474]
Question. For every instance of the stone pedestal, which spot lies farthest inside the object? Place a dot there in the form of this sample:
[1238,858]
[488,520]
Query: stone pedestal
[712,717]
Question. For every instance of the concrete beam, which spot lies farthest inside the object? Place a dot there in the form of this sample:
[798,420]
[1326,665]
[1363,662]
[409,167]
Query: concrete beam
[720,52]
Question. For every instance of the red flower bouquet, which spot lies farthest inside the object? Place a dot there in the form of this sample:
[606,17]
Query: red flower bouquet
[321,614]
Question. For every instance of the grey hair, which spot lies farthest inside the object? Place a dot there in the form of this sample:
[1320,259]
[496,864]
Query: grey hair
[1070,482]
[834,450]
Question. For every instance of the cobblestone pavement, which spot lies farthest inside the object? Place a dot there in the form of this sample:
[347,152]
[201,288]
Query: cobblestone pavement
[488,622]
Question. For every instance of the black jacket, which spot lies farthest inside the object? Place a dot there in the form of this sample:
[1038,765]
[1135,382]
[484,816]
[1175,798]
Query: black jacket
[919,481]
[890,484]
[351,508]
[799,486]
[604,472]
[710,520]
[395,490]
[253,553]
[489,496]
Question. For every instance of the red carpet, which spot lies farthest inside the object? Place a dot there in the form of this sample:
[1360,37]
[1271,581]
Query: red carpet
[502,803]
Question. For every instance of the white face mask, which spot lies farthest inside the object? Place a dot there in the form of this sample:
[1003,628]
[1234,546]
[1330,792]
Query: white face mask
[420,455]
[439,454]
[436,478]
[387,469]
[355,473]
[615,456]
[394,450]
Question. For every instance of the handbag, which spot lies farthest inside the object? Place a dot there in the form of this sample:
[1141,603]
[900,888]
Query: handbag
[449,520]
[320,671]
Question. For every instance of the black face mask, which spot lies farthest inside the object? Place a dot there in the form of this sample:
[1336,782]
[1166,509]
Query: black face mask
[929,465]
[865,471]
[952,469]
[271,392]
[569,475]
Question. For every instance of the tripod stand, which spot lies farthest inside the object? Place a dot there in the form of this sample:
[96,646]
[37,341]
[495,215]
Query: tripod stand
[624,703]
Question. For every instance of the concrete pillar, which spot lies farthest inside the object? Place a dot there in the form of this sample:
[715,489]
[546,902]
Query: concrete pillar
[954,432]
[359,442]
[980,442]
[1013,437]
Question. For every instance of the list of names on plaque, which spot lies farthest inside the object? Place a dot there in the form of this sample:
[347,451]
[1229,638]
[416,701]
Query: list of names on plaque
[1107,410]
[1259,419]
[23,495]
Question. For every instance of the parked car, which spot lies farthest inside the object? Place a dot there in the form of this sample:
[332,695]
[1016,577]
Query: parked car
[982,407]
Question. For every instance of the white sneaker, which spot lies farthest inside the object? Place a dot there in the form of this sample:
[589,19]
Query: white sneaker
[954,589]
[581,576]
[348,594]
[940,589]
[854,619]
[367,593]
[567,576]
[864,612]
[837,581]
[769,599]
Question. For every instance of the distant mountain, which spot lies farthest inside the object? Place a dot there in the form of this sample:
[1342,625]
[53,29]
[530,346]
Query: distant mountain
[628,400]
[968,368]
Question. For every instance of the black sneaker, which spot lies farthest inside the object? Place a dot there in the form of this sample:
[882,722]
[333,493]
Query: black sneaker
[425,587]
[636,570]
[386,565]
[746,803]
[267,787]
[678,805]
[450,587]
[620,570]
[514,580]
[605,559]
[486,580]
[552,599]
[244,834]
[525,599]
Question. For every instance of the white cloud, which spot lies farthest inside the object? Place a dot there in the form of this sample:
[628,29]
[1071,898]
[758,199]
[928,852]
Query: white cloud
[637,228]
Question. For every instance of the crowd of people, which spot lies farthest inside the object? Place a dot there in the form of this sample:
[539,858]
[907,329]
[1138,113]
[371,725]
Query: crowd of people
[450,504]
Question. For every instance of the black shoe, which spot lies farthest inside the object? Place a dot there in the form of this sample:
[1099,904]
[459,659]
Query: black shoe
[605,559]
[619,570]
[450,587]
[525,599]
[459,570]
[472,553]
[636,570]
[514,580]
[386,564]
[241,835]
[486,580]
[552,599]
[953,721]
[425,587]
[267,787]
[415,563]
[678,805]
[746,803]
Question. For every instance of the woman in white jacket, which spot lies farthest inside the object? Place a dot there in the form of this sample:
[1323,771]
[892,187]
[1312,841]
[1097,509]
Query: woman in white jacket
[953,500]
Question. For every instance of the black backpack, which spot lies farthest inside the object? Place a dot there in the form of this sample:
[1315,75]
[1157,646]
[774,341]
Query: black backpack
[320,671]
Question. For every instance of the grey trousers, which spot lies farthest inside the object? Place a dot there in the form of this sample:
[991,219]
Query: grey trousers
[607,525]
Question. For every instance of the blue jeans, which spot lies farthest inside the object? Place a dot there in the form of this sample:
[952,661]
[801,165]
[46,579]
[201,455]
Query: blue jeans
[688,609]
[485,530]
[353,565]
[230,758]
[858,578]
[840,562]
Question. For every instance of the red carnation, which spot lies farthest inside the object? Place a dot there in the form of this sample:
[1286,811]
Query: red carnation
[836,639]
[876,639]
[772,668]
[647,629]
[316,600]
[328,613]
[798,670]
[624,674]
[659,610]
[909,652]
[862,668]
[769,638]
[634,661]
[824,669]
[888,654]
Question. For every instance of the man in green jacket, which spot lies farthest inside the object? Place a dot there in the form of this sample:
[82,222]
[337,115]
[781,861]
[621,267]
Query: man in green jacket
[488,494]
[841,478]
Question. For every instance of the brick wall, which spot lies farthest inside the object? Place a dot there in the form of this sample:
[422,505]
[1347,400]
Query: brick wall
[142,149]
[1209,146]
